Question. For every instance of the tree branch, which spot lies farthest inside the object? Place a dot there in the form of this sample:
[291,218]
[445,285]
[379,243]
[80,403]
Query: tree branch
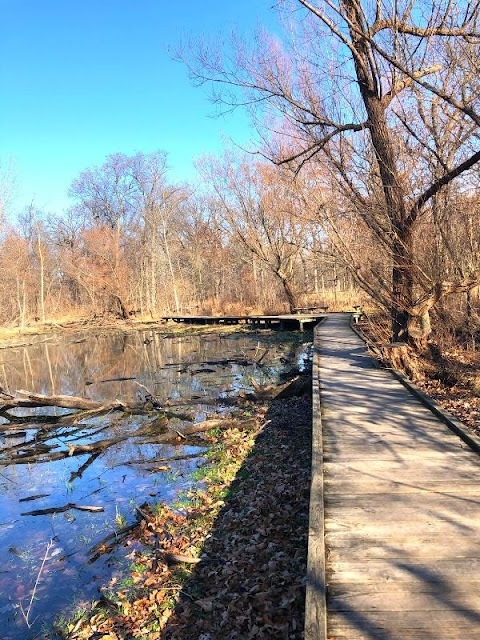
[441,182]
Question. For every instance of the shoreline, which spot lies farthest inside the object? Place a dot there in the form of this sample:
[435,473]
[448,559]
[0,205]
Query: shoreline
[243,535]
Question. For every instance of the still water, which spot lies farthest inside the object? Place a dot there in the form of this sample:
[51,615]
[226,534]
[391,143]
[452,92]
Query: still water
[188,372]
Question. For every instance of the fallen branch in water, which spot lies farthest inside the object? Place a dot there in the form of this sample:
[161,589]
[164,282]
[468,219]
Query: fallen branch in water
[26,614]
[171,437]
[67,507]
[35,497]
[82,468]
[110,541]
[29,399]
[156,460]
[300,385]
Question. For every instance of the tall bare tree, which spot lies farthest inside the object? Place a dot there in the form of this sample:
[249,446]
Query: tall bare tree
[339,86]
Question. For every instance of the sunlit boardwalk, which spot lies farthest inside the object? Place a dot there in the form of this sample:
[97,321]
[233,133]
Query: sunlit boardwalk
[402,506]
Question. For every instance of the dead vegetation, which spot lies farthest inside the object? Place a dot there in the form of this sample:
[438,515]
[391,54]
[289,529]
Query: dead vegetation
[229,560]
[448,370]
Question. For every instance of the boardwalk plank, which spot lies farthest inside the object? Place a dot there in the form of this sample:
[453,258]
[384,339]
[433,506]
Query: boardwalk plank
[400,600]
[406,569]
[391,625]
[349,486]
[341,544]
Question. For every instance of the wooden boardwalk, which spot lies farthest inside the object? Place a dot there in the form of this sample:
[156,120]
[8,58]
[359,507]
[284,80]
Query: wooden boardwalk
[401,497]
[287,322]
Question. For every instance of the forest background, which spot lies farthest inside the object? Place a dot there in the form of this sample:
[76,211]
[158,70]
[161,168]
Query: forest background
[360,184]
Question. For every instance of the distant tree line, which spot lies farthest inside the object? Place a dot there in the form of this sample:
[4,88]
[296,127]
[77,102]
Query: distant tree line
[136,244]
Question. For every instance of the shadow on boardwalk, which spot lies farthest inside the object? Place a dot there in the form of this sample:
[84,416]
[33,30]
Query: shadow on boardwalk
[402,506]
[253,583]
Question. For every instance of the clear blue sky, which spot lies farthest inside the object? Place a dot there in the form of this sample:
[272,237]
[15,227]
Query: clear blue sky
[80,79]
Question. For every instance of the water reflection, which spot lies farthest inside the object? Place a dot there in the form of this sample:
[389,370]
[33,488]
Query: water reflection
[190,370]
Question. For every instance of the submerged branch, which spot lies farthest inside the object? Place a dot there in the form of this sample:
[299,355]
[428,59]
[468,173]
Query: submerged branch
[67,507]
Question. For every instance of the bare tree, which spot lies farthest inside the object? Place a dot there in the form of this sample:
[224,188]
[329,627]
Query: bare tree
[130,201]
[339,87]
[260,205]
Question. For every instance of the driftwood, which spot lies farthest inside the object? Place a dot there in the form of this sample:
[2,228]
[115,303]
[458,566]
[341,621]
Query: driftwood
[67,507]
[171,437]
[300,385]
[37,497]
[28,399]
[156,460]
[87,408]
[96,448]
[43,445]
[176,558]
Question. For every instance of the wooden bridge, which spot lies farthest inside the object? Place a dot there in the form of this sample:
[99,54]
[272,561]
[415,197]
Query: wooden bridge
[289,322]
[394,544]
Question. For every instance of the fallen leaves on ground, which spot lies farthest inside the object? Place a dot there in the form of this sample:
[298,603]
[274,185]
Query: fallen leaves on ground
[251,536]
[253,584]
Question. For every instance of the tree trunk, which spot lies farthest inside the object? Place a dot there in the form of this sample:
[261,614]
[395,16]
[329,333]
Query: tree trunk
[42,277]
[123,309]
[402,283]
[291,299]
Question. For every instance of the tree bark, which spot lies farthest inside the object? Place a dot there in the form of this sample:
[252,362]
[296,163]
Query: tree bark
[289,294]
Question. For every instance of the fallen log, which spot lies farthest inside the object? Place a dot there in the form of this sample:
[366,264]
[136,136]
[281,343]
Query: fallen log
[29,400]
[156,460]
[171,437]
[26,420]
[300,385]
[177,558]
[87,408]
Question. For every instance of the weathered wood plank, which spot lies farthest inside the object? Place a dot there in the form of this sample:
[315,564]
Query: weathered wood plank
[374,442]
[447,459]
[393,625]
[341,544]
[315,599]
[388,469]
[335,486]
[447,569]
[385,530]
[437,503]
[439,598]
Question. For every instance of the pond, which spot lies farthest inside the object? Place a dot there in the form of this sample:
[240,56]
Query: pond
[188,372]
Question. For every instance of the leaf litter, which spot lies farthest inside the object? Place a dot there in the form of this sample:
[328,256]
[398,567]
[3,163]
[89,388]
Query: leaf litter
[228,561]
